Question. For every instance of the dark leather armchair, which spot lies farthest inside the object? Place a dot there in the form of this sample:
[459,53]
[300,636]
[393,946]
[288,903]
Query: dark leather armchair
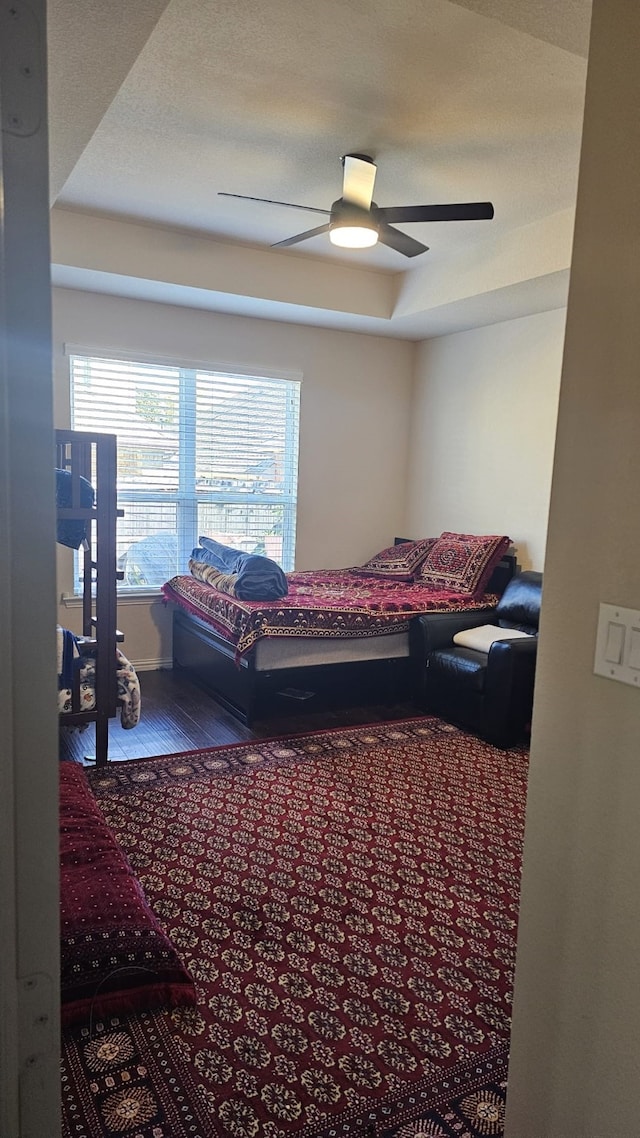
[489,693]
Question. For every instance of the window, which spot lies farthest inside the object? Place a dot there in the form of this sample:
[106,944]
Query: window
[199,452]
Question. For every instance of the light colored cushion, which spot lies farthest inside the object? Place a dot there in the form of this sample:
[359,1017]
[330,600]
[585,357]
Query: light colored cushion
[483,637]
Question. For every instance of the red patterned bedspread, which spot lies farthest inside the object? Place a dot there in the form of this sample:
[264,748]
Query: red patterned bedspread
[331,603]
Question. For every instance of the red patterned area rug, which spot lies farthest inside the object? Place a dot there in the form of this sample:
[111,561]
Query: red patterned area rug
[346,902]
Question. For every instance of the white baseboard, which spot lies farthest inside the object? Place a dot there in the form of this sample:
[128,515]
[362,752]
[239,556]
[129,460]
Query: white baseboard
[151,665]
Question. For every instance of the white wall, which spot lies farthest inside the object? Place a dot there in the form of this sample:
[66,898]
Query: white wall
[575,1050]
[483,427]
[467,445]
[354,425]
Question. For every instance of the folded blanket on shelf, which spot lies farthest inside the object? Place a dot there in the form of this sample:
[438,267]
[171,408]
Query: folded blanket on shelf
[71,661]
[72,532]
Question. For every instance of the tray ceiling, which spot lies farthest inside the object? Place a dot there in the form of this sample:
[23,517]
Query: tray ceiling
[156,107]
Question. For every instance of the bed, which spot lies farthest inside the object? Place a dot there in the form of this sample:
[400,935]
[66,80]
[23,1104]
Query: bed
[95,679]
[338,638]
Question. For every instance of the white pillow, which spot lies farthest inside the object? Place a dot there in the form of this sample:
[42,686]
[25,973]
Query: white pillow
[483,637]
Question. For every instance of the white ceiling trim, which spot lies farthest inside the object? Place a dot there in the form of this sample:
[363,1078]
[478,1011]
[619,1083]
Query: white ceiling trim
[171,267]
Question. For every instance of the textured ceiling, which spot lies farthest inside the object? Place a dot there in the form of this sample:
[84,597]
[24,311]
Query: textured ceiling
[455,102]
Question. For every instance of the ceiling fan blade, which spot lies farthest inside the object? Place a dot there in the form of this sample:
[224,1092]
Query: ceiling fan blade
[464,211]
[401,242]
[301,237]
[268,201]
[359,179]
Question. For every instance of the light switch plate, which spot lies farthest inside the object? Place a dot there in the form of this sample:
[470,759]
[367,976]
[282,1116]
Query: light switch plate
[617,644]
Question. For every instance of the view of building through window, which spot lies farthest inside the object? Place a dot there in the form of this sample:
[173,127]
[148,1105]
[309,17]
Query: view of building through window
[199,452]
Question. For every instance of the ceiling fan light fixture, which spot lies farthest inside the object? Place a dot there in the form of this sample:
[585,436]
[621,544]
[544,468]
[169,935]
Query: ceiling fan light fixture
[352,226]
[353,236]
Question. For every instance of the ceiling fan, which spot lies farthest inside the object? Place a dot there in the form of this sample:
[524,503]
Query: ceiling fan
[356,222]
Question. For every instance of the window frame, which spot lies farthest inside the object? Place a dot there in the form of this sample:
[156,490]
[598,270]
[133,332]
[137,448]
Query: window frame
[187,497]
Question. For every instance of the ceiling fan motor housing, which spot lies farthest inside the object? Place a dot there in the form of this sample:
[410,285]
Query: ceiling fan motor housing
[345,213]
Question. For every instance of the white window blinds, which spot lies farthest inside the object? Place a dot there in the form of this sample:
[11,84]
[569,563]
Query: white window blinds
[199,452]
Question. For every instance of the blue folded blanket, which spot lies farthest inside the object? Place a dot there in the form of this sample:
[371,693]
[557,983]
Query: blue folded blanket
[258,578]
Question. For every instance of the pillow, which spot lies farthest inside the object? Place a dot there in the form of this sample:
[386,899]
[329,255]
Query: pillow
[115,957]
[397,561]
[258,578]
[485,635]
[462,562]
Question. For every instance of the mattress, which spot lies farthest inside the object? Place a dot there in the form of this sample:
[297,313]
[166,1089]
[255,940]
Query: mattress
[327,607]
[289,652]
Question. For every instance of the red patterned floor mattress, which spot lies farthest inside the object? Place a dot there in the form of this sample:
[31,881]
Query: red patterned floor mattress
[115,958]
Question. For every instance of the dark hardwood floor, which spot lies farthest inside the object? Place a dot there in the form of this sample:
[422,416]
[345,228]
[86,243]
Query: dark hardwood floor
[178,716]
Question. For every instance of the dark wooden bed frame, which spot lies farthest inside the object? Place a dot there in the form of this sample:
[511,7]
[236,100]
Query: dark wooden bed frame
[250,694]
[93,457]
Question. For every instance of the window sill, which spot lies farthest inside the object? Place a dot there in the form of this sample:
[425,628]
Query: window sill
[139,597]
